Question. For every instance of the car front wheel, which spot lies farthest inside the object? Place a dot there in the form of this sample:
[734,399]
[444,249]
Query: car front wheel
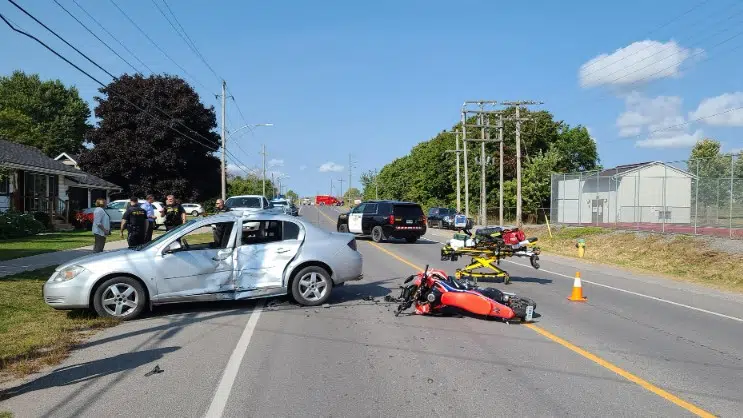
[119,297]
[343,228]
[312,286]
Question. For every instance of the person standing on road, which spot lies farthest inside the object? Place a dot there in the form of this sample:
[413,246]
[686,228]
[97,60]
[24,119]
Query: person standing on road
[135,220]
[218,230]
[174,213]
[101,225]
[150,209]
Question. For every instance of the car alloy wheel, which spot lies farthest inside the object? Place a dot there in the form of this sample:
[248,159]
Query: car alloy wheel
[195,213]
[313,286]
[377,234]
[120,300]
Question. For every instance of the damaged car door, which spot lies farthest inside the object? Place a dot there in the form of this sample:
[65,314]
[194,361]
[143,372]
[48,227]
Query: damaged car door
[265,249]
[198,263]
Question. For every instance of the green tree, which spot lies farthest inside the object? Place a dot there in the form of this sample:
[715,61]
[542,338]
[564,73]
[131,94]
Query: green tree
[535,184]
[351,194]
[248,185]
[42,114]
[711,169]
[575,149]
[292,196]
[139,152]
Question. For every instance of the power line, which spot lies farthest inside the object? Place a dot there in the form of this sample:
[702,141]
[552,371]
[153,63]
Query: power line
[112,36]
[192,43]
[96,37]
[651,32]
[60,38]
[155,44]
[112,93]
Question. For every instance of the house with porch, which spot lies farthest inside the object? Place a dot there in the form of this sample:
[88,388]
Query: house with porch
[33,182]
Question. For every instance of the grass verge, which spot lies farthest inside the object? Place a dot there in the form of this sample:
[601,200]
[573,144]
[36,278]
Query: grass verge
[48,243]
[33,335]
[678,257]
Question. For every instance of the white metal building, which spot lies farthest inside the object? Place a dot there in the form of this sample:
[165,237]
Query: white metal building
[649,192]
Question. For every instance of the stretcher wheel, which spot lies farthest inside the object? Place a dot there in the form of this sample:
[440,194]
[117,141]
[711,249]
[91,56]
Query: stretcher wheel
[507,279]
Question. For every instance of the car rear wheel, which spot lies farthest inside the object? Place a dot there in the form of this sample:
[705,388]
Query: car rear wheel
[378,234]
[195,213]
[119,297]
[312,286]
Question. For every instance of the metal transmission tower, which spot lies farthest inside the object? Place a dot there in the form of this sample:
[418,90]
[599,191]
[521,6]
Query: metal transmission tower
[481,115]
[518,120]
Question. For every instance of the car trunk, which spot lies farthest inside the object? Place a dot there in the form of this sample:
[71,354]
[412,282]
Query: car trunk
[408,215]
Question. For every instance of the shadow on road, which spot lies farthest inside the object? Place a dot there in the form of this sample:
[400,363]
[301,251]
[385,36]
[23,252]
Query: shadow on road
[90,370]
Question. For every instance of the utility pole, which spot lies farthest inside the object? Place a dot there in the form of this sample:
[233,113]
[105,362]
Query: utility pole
[518,120]
[456,150]
[483,163]
[224,141]
[273,187]
[500,191]
[351,166]
[466,177]
[341,181]
[263,153]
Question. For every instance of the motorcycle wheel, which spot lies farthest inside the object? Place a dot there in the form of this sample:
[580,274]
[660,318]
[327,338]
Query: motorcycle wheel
[518,305]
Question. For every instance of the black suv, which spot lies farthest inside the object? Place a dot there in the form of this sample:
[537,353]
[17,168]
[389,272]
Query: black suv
[441,217]
[384,219]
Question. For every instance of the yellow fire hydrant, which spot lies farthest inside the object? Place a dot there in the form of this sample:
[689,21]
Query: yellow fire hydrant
[581,246]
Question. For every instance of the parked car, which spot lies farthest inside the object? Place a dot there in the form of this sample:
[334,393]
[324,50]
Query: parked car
[306,201]
[326,200]
[116,209]
[193,209]
[251,203]
[384,219]
[285,205]
[243,257]
[441,217]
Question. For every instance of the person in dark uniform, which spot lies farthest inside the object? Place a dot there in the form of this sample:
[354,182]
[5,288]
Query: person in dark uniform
[174,213]
[135,221]
[219,229]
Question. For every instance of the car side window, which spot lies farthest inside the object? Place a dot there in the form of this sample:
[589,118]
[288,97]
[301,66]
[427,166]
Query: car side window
[359,208]
[291,231]
[265,203]
[261,232]
[370,209]
[211,236]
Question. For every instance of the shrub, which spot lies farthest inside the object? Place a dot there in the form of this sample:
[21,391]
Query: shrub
[16,225]
[45,219]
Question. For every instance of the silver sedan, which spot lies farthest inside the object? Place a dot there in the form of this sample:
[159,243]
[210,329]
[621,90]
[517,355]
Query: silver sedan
[229,256]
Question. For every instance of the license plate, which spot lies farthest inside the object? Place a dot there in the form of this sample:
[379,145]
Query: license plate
[529,313]
[409,222]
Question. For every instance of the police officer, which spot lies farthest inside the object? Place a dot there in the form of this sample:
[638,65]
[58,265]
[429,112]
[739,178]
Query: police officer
[135,220]
[174,213]
[218,230]
[220,207]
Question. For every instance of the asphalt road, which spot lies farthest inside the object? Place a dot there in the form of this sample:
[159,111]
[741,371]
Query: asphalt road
[640,346]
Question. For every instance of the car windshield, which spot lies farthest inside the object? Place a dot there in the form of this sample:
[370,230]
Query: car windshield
[243,202]
[165,236]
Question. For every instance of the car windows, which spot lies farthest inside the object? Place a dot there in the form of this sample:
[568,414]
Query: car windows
[211,236]
[359,208]
[116,205]
[408,211]
[432,212]
[243,202]
[291,230]
[370,209]
[261,232]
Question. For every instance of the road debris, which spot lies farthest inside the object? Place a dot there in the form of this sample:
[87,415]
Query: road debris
[156,370]
[326,305]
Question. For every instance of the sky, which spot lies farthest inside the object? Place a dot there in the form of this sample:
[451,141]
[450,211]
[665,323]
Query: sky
[360,83]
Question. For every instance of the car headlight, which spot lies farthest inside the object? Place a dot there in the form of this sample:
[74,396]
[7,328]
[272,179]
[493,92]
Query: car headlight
[67,273]
[446,218]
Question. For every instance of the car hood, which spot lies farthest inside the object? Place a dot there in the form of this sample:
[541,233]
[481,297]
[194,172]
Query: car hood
[107,257]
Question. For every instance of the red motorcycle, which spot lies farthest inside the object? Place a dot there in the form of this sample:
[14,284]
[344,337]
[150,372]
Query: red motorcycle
[434,292]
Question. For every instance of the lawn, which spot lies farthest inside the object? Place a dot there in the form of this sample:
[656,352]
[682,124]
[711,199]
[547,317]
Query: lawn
[32,334]
[48,243]
[678,257]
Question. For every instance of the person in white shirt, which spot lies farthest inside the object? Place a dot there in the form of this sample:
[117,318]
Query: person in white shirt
[101,225]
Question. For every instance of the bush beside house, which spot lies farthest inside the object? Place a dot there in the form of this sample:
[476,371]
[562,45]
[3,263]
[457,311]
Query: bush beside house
[17,225]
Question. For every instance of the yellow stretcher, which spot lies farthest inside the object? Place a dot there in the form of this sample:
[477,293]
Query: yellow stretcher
[487,254]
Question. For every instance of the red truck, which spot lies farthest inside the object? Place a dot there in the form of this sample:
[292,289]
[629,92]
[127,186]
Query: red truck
[326,200]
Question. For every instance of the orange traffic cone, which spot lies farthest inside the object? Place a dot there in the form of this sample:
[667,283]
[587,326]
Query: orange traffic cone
[577,295]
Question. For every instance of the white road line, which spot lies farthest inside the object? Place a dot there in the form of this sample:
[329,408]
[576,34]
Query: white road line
[219,401]
[637,294]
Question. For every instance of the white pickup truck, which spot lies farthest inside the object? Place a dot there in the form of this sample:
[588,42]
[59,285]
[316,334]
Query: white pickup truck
[251,203]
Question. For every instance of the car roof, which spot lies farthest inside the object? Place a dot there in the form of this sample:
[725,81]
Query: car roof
[246,195]
[394,202]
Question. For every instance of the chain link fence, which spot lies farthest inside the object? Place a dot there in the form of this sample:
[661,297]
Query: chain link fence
[700,197]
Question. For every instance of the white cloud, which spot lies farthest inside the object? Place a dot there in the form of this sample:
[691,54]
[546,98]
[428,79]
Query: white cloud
[718,106]
[330,166]
[275,163]
[644,60]
[302,167]
[657,119]
[241,170]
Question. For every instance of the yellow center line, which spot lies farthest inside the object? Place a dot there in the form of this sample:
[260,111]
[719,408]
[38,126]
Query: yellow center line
[590,356]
